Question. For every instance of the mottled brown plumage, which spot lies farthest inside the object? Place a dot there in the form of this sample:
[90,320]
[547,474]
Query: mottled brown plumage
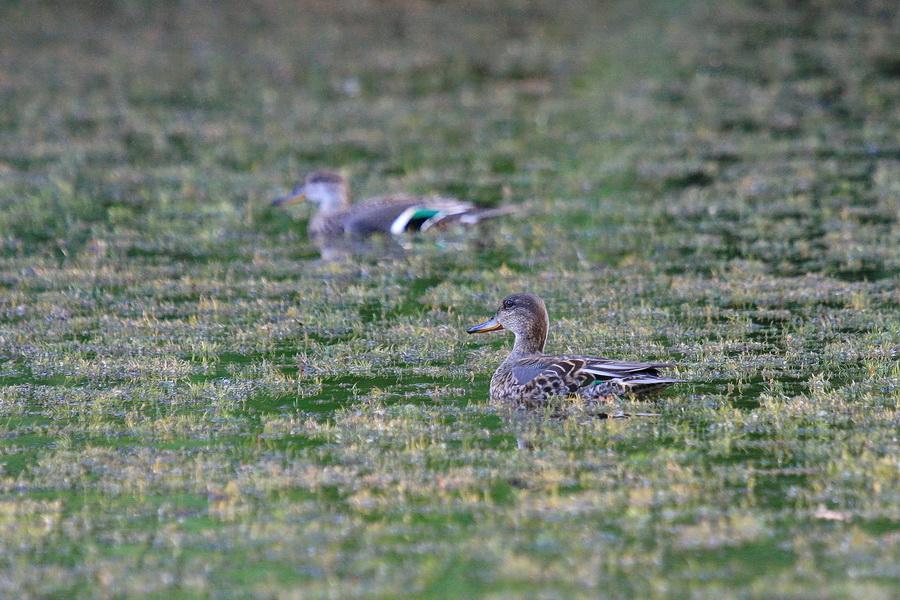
[528,377]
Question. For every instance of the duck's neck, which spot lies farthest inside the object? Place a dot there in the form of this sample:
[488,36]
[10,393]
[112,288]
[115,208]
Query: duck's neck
[333,199]
[531,341]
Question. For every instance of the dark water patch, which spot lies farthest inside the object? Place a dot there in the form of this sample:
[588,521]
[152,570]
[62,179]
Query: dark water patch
[325,336]
[26,164]
[376,310]
[183,98]
[737,562]
[879,526]
[30,378]
[222,366]
[742,394]
[13,464]
[867,270]
[336,393]
[292,444]
[780,485]
[339,153]
[373,310]
[688,178]
[325,404]
[484,194]
[887,64]
[156,255]
[271,404]
[80,124]
[21,424]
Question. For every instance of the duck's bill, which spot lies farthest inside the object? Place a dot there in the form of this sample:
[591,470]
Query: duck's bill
[292,198]
[491,325]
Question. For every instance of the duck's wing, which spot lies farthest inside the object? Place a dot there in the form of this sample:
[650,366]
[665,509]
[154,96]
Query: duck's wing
[589,376]
[396,214]
[378,215]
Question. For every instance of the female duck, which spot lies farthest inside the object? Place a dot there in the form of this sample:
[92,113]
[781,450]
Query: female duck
[530,377]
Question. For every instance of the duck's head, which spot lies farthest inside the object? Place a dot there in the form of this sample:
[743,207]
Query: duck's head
[526,316]
[327,189]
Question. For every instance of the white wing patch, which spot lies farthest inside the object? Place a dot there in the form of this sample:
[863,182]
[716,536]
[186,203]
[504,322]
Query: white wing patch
[400,223]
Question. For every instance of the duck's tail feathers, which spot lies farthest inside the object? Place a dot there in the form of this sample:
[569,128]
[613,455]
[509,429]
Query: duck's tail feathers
[638,386]
[467,216]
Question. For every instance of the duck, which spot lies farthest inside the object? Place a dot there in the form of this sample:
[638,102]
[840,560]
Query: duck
[529,378]
[336,218]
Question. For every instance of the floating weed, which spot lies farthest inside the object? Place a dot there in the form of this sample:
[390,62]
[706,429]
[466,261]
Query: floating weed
[194,405]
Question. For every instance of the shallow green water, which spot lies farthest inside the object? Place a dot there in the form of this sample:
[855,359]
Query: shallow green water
[193,405]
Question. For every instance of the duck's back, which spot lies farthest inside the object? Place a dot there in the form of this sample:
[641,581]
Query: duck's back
[396,214]
[536,377]
[377,215]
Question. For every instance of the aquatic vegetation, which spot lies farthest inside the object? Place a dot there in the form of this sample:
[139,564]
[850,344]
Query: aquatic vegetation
[194,405]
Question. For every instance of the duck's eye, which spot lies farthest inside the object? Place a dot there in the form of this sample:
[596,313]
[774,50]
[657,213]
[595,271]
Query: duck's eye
[509,303]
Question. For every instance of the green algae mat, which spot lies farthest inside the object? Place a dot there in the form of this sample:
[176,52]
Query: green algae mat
[194,405]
